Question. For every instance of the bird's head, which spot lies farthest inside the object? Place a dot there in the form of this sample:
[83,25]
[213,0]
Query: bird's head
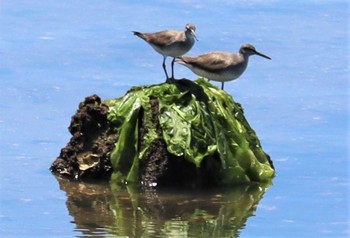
[191,28]
[248,50]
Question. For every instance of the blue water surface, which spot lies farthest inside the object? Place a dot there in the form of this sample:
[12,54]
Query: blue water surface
[55,53]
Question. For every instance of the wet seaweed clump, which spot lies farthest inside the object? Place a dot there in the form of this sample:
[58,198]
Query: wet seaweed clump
[181,134]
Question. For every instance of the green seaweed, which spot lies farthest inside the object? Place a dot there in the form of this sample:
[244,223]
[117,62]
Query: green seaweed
[197,120]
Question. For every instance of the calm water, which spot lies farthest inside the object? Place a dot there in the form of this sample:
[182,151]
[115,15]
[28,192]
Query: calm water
[55,53]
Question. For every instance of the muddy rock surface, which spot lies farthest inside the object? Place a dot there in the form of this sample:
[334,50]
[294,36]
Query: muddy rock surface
[86,156]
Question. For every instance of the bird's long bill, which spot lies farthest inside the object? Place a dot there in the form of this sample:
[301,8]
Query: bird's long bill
[194,34]
[262,55]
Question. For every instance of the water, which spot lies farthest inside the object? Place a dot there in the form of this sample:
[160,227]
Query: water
[55,53]
[98,209]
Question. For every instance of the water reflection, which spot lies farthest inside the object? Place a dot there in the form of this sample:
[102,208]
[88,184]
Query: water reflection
[101,209]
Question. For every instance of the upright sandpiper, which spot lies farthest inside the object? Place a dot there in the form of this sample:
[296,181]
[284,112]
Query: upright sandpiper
[220,66]
[170,43]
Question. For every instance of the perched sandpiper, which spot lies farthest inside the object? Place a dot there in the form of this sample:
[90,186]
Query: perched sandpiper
[170,43]
[220,66]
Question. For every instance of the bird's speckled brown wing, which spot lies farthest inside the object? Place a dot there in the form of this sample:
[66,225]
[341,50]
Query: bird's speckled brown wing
[212,62]
[163,38]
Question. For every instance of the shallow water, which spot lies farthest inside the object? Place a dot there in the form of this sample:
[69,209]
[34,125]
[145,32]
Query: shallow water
[99,209]
[55,53]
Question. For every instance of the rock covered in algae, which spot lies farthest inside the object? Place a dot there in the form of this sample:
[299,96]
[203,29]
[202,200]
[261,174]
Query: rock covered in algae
[185,133]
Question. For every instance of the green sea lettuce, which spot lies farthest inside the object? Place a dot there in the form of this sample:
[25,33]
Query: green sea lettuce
[197,120]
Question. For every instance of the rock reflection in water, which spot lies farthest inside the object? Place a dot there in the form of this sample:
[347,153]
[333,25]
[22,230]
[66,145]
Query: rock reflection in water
[101,209]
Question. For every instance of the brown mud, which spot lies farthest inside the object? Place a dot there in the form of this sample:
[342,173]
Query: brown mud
[86,156]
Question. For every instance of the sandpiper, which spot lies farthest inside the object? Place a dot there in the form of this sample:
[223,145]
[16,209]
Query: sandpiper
[220,66]
[170,43]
